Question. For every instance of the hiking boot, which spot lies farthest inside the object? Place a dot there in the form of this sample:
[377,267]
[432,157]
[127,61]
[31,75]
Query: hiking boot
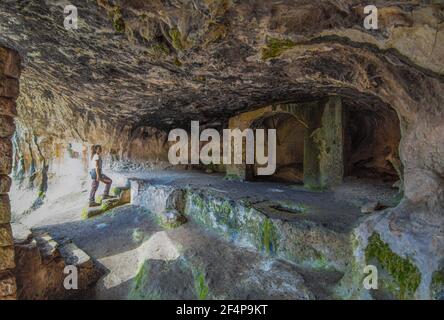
[93,204]
[107,197]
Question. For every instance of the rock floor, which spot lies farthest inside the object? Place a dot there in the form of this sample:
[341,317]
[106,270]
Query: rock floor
[144,261]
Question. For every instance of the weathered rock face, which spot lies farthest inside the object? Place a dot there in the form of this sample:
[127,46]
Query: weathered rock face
[9,88]
[134,64]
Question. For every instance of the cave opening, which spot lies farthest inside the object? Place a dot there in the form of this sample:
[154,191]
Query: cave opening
[371,144]
[289,148]
[330,142]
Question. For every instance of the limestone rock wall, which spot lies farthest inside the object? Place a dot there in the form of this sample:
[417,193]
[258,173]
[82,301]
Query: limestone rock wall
[9,90]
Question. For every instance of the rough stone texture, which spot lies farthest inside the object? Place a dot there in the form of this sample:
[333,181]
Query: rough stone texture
[5,209]
[268,227]
[5,235]
[157,199]
[9,63]
[9,88]
[332,142]
[5,184]
[339,57]
[7,107]
[6,156]
[7,127]
[7,287]
[161,64]
[40,268]
[7,258]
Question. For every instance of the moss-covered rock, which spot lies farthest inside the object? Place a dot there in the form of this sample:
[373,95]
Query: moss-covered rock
[246,223]
[201,287]
[275,47]
[437,285]
[405,277]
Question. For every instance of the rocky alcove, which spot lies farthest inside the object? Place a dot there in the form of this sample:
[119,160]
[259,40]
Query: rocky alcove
[359,118]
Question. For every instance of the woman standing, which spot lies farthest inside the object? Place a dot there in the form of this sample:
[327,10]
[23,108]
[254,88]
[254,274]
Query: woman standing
[97,176]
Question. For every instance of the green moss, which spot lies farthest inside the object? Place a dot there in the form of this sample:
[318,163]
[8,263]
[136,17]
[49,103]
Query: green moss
[109,205]
[437,285]
[170,225]
[405,274]
[117,19]
[200,284]
[275,47]
[139,290]
[158,50]
[177,40]
[268,236]
[84,214]
[137,235]
[116,191]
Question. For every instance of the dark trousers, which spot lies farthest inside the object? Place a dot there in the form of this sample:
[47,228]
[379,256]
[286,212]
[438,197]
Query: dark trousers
[95,185]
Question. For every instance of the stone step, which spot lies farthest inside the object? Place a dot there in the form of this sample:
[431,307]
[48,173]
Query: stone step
[123,197]
[92,212]
[75,256]
[41,261]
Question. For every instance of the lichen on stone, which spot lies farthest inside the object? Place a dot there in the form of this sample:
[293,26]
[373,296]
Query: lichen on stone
[268,237]
[139,289]
[177,40]
[275,47]
[405,274]
[437,285]
[200,284]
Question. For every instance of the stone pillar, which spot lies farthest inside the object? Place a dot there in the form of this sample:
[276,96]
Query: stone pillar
[9,90]
[324,144]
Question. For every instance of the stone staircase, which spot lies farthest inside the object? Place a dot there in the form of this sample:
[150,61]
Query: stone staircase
[120,197]
[41,261]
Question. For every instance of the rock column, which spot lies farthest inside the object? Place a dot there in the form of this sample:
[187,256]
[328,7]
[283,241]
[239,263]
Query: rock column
[324,144]
[9,90]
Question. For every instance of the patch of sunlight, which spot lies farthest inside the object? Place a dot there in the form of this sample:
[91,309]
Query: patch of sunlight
[159,247]
[124,266]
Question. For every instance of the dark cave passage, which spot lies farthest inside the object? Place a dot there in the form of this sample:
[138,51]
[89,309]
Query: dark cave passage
[321,143]
[371,145]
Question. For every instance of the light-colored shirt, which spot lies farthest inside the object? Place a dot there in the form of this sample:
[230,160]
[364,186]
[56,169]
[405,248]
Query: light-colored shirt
[93,163]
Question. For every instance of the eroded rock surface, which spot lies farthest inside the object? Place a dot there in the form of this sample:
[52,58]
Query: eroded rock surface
[135,69]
